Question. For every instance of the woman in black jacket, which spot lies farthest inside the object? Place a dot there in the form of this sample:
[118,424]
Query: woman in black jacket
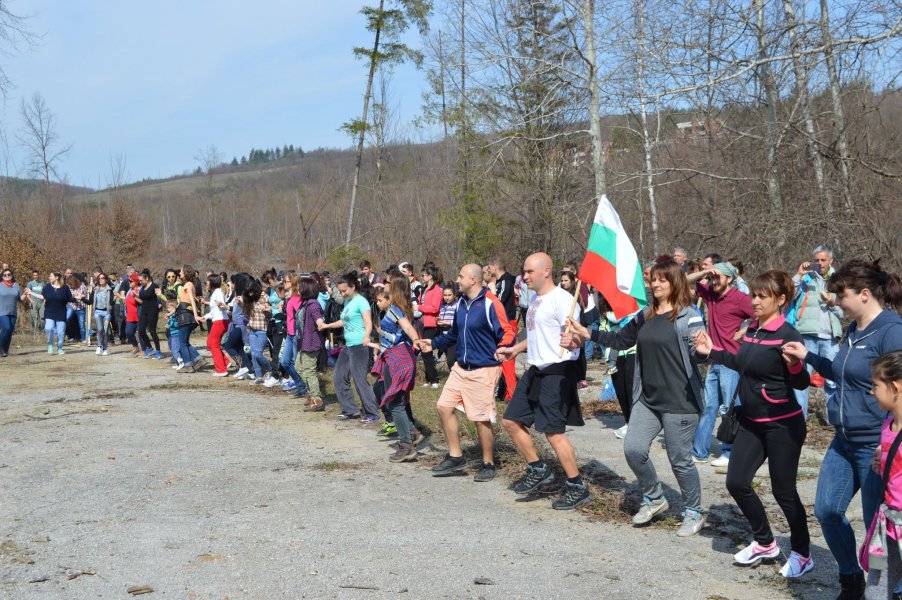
[771,425]
[149,302]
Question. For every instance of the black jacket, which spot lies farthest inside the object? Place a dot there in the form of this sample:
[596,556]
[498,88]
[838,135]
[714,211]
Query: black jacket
[766,382]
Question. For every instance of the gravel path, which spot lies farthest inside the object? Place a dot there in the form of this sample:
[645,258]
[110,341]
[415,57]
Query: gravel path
[118,472]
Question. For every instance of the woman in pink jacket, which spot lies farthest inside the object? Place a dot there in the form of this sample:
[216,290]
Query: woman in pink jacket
[430,306]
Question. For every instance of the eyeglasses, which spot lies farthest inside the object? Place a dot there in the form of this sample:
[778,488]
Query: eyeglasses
[170,277]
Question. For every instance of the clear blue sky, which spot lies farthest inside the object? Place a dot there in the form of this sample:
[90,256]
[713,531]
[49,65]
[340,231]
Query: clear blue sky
[156,82]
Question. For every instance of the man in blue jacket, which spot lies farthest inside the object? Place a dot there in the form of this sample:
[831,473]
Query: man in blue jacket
[479,328]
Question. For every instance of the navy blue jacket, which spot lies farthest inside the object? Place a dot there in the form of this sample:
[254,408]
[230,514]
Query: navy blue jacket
[853,410]
[479,328]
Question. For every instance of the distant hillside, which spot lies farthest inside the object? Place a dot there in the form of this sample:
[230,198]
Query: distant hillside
[16,186]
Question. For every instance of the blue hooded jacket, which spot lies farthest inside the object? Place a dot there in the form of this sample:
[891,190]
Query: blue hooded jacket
[479,328]
[853,410]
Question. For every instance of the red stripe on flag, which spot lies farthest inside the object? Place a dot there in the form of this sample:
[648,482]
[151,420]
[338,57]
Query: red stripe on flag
[602,275]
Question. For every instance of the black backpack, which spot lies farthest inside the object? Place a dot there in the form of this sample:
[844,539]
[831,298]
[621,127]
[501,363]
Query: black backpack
[332,312]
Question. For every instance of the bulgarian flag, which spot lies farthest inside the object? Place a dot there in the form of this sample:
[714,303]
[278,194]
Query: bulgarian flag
[611,265]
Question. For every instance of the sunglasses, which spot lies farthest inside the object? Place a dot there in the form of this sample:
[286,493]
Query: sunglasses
[7,274]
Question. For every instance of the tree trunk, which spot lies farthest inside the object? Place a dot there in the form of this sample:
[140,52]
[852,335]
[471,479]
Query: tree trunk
[647,145]
[839,117]
[772,138]
[594,100]
[801,75]
[362,132]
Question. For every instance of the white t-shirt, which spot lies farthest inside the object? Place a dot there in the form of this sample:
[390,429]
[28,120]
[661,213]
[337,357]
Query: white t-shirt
[546,319]
[216,313]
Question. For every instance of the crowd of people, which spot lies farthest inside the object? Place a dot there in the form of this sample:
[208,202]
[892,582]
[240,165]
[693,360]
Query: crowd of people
[762,343]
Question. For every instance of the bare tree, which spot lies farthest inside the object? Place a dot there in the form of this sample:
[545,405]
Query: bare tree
[14,34]
[209,159]
[40,137]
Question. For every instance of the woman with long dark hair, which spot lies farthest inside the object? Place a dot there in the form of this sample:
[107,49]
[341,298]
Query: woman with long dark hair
[353,362]
[669,390]
[188,317]
[149,302]
[10,295]
[101,298]
[869,296]
[257,308]
[219,323]
[430,306]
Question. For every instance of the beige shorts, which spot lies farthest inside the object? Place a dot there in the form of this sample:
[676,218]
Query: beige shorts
[473,392]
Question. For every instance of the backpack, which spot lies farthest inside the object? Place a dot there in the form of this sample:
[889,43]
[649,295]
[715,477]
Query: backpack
[300,315]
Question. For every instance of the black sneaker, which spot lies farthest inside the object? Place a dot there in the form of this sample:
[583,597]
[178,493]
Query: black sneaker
[450,464]
[574,495]
[534,479]
[486,472]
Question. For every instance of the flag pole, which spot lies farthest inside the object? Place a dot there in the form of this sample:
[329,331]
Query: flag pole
[579,285]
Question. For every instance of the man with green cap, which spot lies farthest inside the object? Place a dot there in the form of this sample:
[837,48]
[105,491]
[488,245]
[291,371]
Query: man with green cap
[727,309]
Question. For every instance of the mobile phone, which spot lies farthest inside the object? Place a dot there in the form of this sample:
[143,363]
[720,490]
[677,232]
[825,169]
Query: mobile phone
[815,267]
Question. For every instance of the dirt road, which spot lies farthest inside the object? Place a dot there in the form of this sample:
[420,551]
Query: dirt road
[117,472]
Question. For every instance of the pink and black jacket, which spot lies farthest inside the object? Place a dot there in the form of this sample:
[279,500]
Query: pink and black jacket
[766,382]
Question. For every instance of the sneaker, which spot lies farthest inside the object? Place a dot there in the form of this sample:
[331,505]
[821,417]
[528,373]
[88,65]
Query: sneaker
[180,367]
[148,353]
[621,433]
[387,429]
[135,351]
[223,374]
[574,495]
[344,417]
[241,373]
[720,464]
[754,553]
[258,381]
[245,377]
[416,437]
[177,365]
[288,387]
[370,421]
[450,464]
[316,405]
[699,461]
[157,355]
[425,385]
[797,565]
[534,479]
[105,353]
[49,348]
[99,350]
[270,382]
[693,521]
[435,386]
[60,351]
[649,510]
[199,363]
[404,453]
[486,472]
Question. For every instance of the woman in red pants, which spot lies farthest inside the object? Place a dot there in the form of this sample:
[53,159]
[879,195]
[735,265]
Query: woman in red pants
[219,324]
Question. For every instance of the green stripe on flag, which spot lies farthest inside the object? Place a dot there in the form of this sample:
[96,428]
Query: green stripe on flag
[603,242]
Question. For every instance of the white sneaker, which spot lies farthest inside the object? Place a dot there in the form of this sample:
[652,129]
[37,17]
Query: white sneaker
[105,353]
[720,464]
[435,386]
[99,350]
[270,382]
[621,433]
[797,565]
[240,373]
[693,521]
[649,510]
[699,461]
[754,553]
[225,374]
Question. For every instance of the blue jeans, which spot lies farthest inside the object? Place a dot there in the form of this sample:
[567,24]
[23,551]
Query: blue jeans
[720,385]
[827,349]
[846,470]
[258,343]
[287,360]
[188,354]
[7,326]
[58,327]
[101,317]
[81,314]
[589,347]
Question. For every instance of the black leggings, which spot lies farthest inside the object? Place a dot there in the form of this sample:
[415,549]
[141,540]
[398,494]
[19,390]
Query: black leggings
[623,383]
[147,322]
[780,442]
[429,333]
